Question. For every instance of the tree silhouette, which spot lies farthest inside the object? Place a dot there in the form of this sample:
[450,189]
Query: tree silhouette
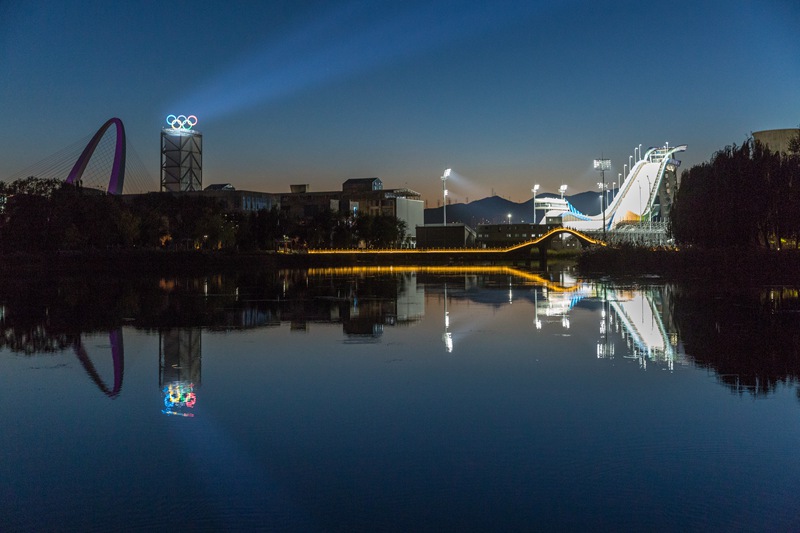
[745,196]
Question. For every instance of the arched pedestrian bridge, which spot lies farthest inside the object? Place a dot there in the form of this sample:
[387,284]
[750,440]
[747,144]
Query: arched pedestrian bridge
[545,239]
[517,252]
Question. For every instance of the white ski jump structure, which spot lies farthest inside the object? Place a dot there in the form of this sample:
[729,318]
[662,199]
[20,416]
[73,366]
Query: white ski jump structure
[636,198]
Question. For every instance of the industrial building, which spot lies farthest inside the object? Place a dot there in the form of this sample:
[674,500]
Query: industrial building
[777,140]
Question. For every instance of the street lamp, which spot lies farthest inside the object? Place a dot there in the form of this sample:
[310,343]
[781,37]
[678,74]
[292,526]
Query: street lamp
[444,195]
[600,185]
[635,153]
[534,191]
[509,219]
[602,165]
[562,190]
[640,152]
[625,170]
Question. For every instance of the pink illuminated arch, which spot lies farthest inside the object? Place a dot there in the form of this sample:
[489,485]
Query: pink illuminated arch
[117,177]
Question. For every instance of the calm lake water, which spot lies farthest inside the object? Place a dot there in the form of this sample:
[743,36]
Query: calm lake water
[413,399]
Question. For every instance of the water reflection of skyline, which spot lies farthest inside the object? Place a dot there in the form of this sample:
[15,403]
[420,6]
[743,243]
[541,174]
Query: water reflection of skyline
[642,324]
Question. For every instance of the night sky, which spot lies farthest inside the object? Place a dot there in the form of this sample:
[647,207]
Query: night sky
[507,93]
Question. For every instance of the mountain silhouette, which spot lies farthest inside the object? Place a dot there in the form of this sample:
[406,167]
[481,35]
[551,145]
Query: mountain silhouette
[495,209]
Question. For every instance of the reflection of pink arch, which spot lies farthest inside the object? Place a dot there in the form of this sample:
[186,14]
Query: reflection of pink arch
[117,170]
[117,354]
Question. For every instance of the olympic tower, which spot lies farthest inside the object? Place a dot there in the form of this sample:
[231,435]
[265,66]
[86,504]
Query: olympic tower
[181,155]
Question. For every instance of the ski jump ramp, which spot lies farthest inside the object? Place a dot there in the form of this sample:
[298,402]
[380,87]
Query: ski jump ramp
[646,192]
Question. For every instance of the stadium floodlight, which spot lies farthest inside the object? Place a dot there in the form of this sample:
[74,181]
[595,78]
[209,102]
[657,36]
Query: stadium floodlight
[602,164]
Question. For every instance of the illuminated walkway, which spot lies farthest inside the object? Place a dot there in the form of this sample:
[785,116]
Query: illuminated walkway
[511,252]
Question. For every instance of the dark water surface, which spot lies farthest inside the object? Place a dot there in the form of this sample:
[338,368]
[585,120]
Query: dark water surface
[397,400]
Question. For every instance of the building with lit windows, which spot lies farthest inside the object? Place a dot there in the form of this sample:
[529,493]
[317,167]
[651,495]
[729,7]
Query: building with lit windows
[358,195]
[234,200]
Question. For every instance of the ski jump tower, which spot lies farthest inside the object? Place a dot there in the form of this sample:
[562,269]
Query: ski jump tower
[181,155]
[646,192]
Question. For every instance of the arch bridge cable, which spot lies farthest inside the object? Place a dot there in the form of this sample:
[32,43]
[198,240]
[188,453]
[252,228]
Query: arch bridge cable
[55,166]
[91,162]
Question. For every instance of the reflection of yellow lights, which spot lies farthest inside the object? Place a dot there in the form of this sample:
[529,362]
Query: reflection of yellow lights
[528,276]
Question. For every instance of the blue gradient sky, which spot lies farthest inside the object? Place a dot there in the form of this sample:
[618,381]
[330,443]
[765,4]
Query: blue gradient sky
[507,93]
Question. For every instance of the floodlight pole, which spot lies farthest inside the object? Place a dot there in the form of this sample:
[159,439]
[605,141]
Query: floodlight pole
[602,165]
[444,196]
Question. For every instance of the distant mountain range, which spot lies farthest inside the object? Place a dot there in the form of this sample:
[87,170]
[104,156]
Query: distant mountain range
[495,210]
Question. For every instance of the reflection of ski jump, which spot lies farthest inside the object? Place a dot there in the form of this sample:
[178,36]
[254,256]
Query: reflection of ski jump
[639,314]
[637,197]
[117,355]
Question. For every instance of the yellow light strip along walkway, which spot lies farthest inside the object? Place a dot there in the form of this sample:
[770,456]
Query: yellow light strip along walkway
[411,251]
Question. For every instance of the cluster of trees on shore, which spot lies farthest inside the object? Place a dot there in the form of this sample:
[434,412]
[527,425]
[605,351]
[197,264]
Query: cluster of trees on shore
[744,196]
[44,215]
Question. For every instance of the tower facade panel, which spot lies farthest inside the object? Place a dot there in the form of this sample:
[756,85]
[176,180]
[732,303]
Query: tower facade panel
[181,160]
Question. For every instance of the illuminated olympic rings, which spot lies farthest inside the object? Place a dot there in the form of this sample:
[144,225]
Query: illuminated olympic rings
[181,122]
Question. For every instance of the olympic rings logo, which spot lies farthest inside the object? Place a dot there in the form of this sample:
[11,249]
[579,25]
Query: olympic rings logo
[181,122]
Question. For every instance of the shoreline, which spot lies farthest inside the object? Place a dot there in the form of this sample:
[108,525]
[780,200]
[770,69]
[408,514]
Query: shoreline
[717,265]
[709,265]
[202,261]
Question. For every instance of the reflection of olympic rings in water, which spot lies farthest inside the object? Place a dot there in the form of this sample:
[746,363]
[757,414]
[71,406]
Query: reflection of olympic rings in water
[179,394]
[181,122]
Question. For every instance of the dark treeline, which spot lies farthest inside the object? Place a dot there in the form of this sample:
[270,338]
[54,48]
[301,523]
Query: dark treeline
[745,196]
[38,215]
